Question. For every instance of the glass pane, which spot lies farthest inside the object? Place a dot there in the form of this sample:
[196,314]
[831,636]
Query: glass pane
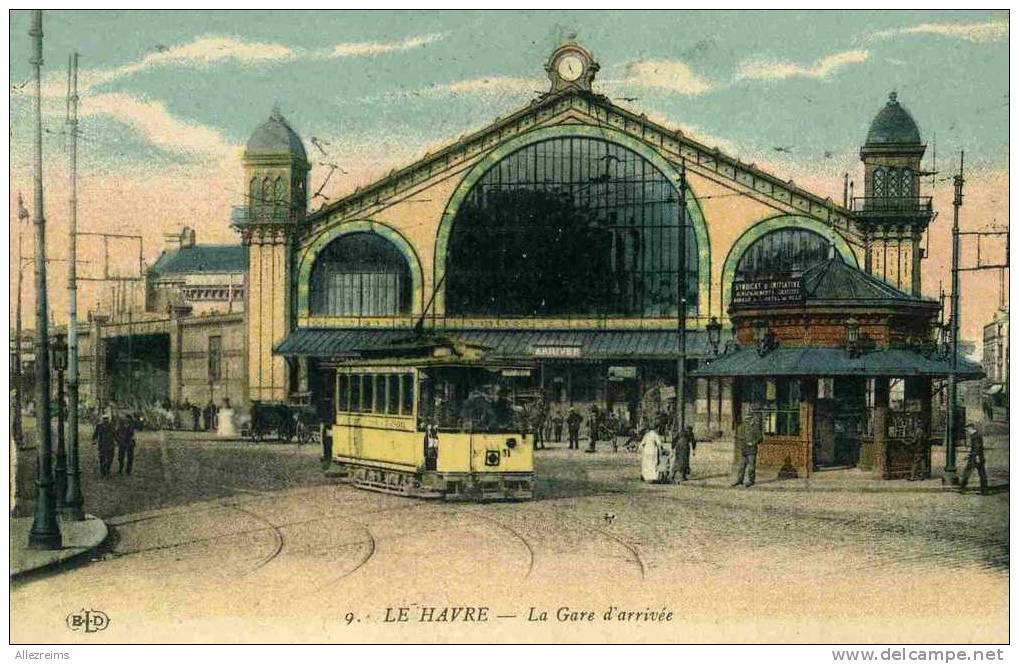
[360,274]
[367,394]
[407,392]
[343,391]
[355,394]
[393,395]
[380,394]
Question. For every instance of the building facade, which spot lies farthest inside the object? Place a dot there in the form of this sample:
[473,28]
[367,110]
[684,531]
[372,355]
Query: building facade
[572,233]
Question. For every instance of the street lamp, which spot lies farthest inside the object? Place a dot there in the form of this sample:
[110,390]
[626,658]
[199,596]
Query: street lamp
[853,336]
[58,351]
[714,333]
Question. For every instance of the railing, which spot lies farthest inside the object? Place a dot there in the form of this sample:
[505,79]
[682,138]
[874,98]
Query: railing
[892,205]
[242,214]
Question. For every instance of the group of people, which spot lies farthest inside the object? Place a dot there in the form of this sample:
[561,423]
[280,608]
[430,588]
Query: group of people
[663,461]
[548,424]
[115,434]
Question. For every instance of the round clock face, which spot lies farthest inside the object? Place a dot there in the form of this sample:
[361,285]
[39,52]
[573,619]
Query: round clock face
[570,67]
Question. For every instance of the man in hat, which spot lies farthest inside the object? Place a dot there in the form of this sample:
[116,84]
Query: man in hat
[103,437]
[573,420]
[975,459]
[749,434]
[684,445]
[921,445]
[125,444]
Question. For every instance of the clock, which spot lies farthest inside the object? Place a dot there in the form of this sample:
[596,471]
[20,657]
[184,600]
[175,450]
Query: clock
[570,67]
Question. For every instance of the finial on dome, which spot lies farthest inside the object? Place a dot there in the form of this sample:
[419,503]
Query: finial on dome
[276,115]
[893,97]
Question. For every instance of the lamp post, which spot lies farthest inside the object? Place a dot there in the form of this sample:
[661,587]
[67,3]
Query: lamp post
[714,329]
[59,361]
[853,336]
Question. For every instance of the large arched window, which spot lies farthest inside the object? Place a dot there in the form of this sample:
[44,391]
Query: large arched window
[360,274]
[781,253]
[570,226]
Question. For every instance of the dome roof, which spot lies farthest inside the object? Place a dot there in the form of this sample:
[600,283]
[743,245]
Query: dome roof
[893,124]
[275,136]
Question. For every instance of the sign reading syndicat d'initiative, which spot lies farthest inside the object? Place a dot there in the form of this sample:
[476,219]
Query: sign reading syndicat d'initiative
[768,291]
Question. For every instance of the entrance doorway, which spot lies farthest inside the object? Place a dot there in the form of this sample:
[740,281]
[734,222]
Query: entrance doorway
[839,421]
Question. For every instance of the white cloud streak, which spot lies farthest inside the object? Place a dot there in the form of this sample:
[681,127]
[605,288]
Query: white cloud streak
[355,49]
[766,69]
[671,75]
[989,31]
[152,121]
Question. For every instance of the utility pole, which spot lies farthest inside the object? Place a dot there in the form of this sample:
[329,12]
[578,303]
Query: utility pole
[19,432]
[74,501]
[950,473]
[681,312]
[45,533]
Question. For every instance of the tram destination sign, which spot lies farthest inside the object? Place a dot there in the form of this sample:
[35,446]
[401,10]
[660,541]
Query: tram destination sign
[768,291]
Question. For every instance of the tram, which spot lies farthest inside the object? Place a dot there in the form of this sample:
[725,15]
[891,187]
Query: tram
[431,418]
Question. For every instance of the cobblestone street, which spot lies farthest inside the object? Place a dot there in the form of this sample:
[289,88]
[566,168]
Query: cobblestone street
[246,542]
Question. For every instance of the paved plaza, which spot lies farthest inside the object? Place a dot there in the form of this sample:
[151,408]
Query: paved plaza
[228,540]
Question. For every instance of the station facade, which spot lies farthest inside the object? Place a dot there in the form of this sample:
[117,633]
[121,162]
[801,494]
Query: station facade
[553,235]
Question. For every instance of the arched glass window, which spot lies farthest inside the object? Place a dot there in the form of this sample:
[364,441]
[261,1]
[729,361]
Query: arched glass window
[782,253]
[880,188]
[906,183]
[279,197]
[570,226]
[360,274]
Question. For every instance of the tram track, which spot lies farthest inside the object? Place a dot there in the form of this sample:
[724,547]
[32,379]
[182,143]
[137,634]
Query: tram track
[277,534]
[511,530]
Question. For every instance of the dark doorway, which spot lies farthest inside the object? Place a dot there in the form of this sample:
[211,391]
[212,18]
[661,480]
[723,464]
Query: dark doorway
[839,421]
[138,367]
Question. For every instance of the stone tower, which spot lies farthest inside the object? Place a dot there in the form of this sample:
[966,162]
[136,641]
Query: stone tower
[892,214]
[276,185]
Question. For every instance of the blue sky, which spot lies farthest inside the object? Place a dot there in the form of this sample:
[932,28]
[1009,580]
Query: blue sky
[169,98]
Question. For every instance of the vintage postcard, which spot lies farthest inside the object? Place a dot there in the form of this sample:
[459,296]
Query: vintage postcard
[510,327]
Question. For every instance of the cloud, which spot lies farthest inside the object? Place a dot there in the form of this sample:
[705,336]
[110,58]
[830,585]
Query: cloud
[490,85]
[354,49]
[158,126]
[777,69]
[989,31]
[671,75]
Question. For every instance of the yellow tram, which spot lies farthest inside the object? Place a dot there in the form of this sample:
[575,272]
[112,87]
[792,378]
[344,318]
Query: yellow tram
[431,418]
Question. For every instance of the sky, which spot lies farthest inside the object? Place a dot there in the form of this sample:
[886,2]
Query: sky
[169,98]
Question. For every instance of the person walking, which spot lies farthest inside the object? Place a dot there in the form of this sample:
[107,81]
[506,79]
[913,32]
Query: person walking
[749,434]
[125,444]
[921,445]
[557,425]
[573,420]
[594,425]
[684,445]
[103,437]
[653,455]
[975,459]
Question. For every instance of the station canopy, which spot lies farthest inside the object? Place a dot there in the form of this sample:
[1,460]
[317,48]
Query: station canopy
[897,362]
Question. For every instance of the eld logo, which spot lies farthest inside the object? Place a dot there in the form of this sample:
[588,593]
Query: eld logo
[88,621]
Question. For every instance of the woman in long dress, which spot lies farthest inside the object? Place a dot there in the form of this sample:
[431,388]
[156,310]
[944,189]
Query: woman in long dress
[652,446]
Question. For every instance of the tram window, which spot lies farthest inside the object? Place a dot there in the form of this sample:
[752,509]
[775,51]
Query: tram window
[393,395]
[367,394]
[380,393]
[355,394]
[343,389]
[407,403]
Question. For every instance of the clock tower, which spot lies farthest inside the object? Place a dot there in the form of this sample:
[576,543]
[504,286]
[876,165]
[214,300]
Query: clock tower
[571,66]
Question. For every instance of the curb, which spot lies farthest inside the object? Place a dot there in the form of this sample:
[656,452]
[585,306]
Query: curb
[74,553]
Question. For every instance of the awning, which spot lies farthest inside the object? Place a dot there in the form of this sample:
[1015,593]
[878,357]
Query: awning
[834,362]
[516,344]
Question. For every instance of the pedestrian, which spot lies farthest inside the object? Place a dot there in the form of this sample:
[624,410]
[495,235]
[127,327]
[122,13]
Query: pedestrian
[125,444]
[103,437]
[573,420]
[749,435]
[538,425]
[196,415]
[209,415]
[594,425]
[654,457]
[557,425]
[684,445]
[975,459]
[921,445]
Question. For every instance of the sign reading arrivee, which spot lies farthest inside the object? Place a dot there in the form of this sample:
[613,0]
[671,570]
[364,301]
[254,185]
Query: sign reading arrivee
[556,350]
[767,291]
